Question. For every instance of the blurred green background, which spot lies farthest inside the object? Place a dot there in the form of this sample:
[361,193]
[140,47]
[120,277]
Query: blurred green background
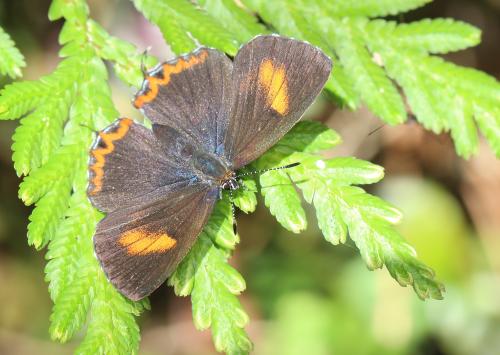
[304,296]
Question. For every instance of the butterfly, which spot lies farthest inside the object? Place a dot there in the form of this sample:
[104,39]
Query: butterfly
[210,117]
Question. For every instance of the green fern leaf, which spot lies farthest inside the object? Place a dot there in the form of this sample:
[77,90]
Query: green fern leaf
[343,209]
[368,221]
[51,147]
[214,303]
[278,190]
[220,226]
[371,8]
[441,94]
[40,132]
[436,35]
[70,310]
[112,329]
[462,127]
[367,54]
[489,124]
[71,241]
[212,283]
[282,200]
[75,10]
[308,137]
[127,62]
[245,198]
[177,18]
[52,198]
[375,88]
[11,60]
[31,92]
[234,18]
[47,214]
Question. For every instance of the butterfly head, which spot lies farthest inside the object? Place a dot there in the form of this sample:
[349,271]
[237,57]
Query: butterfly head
[229,181]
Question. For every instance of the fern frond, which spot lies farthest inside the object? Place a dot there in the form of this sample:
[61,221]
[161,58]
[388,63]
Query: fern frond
[51,148]
[11,60]
[438,36]
[371,8]
[19,98]
[47,214]
[127,61]
[71,308]
[246,197]
[235,19]
[214,302]
[50,187]
[213,284]
[112,327]
[177,18]
[489,124]
[343,209]
[39,133]
[370,57]
[370,80]
[372,52]
[282,200]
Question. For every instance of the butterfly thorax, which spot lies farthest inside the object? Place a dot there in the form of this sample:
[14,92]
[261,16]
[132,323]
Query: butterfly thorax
[229,181]
[215,169]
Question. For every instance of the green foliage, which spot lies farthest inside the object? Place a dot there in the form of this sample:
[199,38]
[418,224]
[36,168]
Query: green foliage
[11,60]
[179,19]
[372,58]
[341,208]
[212,283]
[376,54]
[51,150]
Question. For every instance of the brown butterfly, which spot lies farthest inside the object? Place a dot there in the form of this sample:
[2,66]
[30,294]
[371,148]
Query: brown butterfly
[211,116]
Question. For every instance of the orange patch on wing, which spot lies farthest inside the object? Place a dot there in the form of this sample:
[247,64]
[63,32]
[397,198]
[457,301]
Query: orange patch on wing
[273,80]
[140,242]
[100,153]
[168,69]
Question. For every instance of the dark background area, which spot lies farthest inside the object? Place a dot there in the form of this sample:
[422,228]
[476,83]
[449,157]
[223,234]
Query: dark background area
[303,294]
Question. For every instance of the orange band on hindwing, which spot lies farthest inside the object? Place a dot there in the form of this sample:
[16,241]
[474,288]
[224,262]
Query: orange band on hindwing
[140,242]
[168,69]
[106,145]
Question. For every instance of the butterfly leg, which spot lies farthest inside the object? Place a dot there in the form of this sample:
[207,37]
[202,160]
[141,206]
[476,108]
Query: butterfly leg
[233,212]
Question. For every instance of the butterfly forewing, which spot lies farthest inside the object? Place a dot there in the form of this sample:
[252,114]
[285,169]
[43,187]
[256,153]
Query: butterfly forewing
[190,94]
[275,79]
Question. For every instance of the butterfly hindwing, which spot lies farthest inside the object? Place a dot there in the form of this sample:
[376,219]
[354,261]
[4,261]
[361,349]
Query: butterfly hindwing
[190,94]
[140,246]
[275,79]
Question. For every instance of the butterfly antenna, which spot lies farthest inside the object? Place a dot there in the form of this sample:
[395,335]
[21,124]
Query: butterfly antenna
[88,127]
[144,70]
[233,212]
[270,169]
[376,129]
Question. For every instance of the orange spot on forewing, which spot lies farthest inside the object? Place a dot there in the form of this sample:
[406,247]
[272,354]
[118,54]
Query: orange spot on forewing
[272,79]
[100,153]
[140,242]
[168,69]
